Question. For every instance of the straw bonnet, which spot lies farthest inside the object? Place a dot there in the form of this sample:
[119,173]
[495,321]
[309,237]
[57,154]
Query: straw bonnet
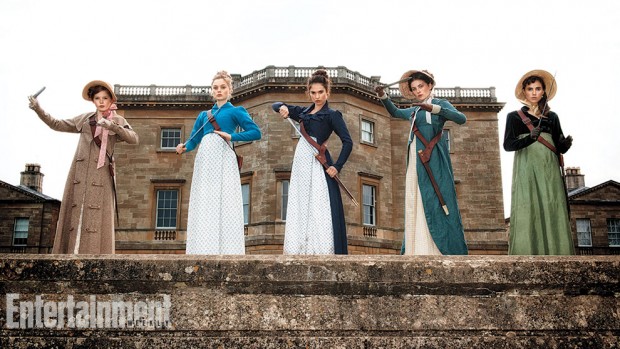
[98,83]
[550,86]
[405,86]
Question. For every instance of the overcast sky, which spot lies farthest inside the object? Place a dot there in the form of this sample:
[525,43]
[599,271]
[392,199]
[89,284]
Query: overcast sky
[64,44]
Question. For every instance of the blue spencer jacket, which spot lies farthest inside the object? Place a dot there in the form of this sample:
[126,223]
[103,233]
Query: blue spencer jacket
[229,117]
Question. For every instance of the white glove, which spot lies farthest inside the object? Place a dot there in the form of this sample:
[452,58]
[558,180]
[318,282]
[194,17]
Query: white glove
[105,123]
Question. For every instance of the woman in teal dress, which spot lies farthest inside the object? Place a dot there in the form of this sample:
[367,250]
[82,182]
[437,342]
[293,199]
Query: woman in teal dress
[539,218]
[433,223]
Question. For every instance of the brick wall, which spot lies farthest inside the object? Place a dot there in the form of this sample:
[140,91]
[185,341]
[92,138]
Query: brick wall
[42,220]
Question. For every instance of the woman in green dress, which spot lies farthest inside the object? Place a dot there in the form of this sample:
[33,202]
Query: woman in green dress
[539,219]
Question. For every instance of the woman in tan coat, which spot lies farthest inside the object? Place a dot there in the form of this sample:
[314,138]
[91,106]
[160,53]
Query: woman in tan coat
[86,220]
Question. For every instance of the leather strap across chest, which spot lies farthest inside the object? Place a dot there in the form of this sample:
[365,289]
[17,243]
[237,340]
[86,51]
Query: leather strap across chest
[425,158]
[528,124]
[428,146]
[93,128]
[546,143]
[321,148]
[530,127]
[217,127]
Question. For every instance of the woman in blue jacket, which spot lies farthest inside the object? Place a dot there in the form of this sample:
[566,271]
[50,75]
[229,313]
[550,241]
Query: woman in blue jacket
[315,216]
[433,223]
[215,217]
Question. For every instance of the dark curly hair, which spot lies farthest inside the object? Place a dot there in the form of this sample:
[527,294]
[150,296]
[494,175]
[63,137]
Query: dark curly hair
[543,106]
[320,77]
[420,76]
[92,91]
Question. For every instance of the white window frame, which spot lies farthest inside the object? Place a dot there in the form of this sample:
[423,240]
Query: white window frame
[285,185]
[584,232]
[169,129]
[613,232]
[370,207]
[246,198]
[446,136]
[174,209]
[20,231]
[370,133]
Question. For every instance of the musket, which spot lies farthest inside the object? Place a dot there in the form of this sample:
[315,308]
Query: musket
[546,102]
[396,82]
[323,162]
[560,158]
[38,92]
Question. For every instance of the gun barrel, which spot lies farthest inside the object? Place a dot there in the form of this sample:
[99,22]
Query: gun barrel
[38,92]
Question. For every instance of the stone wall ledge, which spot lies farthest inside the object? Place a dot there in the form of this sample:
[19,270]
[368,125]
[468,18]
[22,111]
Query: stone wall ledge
[443,340]
[374,301]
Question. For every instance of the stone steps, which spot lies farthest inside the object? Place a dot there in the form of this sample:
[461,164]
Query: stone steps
[313,301]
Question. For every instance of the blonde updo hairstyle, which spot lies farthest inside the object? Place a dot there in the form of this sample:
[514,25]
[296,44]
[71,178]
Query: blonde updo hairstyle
[223,74]
[319,77]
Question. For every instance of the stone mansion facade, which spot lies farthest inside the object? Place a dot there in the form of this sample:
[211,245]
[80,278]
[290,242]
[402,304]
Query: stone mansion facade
[153,182]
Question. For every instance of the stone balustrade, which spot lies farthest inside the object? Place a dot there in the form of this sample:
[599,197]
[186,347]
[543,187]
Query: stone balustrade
[291,75]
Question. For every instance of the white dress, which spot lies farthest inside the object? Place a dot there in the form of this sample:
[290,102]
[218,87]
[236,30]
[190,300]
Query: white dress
[308,227]
[418,239]
[215,217]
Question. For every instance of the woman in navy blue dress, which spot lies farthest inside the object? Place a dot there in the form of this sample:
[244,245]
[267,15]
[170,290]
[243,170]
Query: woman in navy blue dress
[315,221]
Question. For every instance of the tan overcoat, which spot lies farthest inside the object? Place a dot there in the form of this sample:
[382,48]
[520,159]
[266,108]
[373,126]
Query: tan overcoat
[87,213]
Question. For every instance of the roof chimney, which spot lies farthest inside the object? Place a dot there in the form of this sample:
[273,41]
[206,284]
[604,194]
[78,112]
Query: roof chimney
[32,177]
[574,178]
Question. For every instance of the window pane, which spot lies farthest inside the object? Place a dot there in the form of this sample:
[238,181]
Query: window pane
[584,233]
[368,204]
[445,135]
[245,193]
[170,137]
[167,201]
[613,231]
[285,185]
[367,131]
[20,233]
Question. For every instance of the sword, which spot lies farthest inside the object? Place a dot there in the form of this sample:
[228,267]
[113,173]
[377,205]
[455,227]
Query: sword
[324,163]
[38,92]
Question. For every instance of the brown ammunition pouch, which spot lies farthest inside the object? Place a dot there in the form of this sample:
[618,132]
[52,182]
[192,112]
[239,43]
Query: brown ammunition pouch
[425,157]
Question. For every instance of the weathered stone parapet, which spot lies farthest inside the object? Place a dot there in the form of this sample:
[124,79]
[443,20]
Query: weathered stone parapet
[374,301]
[190,96]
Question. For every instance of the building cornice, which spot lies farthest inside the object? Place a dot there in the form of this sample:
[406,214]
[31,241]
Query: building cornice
[291,79]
